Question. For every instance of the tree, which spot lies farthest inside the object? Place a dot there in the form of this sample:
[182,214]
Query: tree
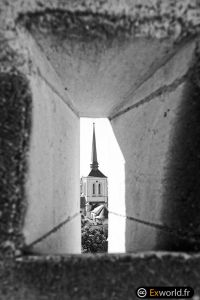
[94,239]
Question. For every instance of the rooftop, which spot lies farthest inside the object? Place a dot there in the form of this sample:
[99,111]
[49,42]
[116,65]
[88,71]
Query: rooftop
[96,173]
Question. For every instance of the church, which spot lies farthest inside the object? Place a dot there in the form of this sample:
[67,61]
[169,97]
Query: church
[94,187]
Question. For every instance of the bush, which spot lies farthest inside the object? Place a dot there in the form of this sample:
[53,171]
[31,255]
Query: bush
[94,239]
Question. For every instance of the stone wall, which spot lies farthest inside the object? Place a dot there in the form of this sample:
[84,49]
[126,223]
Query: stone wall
[15,128]
[40,153]
[154,88]
[155,128]
[95,277]
[52,183]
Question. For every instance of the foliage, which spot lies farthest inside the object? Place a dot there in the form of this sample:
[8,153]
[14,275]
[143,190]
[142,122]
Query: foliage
[94,239]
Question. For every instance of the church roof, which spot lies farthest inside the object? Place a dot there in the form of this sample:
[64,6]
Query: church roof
[96,173]
[94,165]
[98,209]
[103,214]
[100,212]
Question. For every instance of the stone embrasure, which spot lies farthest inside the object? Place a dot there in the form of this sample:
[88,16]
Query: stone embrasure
[172,122]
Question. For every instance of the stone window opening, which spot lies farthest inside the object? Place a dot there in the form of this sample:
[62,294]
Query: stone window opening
[137,122]
[145,80]
[93,189]
[99,188]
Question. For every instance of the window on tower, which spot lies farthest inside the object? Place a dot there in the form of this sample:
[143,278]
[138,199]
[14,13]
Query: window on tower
[99,189]
[93,189]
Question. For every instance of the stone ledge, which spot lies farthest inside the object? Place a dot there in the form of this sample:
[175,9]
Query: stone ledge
[113,276]
[155,18]
[91,25]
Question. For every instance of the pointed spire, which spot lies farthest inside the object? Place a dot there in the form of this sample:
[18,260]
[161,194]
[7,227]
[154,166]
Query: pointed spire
[94,165]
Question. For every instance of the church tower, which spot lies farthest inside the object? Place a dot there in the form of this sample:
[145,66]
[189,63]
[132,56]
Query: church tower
[94,187]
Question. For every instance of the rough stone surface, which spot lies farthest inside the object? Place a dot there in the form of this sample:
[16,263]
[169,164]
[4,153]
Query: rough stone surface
[15,128]
[93,46]
[96,277]
[181,180]
[94,53]
[162,163]
[157,18]
[52,185]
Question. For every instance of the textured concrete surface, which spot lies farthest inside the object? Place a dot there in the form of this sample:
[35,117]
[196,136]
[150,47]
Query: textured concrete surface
[181,185]
[102,51]
[169,75]
[39,163]
[106,58]
[52,185]
[96,276]
[161,157]
[145,148]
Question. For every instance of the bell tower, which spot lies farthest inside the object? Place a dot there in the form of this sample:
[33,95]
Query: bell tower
[95,185]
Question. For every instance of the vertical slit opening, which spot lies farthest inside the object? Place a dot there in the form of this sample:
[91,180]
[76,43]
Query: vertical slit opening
[103,196]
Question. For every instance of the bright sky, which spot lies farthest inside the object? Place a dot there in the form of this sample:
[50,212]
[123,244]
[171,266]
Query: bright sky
[107,147]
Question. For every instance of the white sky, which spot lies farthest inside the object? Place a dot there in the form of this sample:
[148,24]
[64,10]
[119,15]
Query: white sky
[107,147]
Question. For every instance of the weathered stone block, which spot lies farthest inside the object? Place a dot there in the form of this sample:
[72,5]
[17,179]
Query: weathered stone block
[15,129]
[95,277]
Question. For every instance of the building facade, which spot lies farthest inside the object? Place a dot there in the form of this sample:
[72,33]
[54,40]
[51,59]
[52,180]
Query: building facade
[94,187]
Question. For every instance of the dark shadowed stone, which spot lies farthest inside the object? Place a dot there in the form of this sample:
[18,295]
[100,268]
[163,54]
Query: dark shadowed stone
[182,189]
[15,123]
[94,277]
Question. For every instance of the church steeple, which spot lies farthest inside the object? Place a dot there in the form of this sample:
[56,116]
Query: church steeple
[94,186]
[94,165]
